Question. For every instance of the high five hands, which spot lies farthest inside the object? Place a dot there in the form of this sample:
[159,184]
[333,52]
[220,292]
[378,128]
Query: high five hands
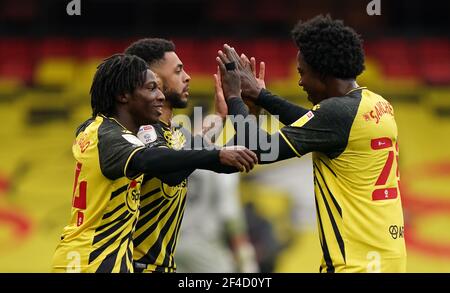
[236,75]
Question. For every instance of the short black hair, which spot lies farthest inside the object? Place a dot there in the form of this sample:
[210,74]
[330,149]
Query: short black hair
[115,76]
[330,47]
[151,50]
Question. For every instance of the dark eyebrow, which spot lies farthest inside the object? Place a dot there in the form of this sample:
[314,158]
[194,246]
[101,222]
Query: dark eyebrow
[152,83]
[179,66]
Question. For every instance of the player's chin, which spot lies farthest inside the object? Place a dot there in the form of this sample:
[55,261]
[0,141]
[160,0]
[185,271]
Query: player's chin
[184,100]
[154,117]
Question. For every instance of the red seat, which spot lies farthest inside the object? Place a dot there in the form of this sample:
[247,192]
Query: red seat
[278,56]
[17,69]
[16,48]
[96,49]
[57,47]
[433,55]
[17,59]
[186,51]
[397,57]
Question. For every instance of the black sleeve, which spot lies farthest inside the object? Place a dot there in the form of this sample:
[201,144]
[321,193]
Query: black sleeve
[325,130]
[173,179]
[268,148]
[115,149]
[216,167]
[161,161]
[286,111]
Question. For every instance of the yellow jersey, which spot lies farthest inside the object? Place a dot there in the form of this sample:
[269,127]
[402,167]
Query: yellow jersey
[105,204]
[354,142]
[162,209]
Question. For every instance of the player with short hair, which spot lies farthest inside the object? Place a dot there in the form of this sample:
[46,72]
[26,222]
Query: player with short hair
[352,134]
[163,202]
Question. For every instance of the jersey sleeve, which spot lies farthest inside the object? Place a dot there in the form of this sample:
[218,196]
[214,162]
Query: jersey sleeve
[116,148]
[324,129]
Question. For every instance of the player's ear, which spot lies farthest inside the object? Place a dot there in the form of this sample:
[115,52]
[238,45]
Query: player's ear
[123,98]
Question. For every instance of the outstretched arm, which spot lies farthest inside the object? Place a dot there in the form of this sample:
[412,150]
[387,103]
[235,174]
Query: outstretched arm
[160,161]
[248,133]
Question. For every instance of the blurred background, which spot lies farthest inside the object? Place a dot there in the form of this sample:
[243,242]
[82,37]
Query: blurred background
[47,61]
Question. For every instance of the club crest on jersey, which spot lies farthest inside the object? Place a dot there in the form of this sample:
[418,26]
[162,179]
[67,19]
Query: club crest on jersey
[147,134]
[133,139]
[304,119]
[175,139]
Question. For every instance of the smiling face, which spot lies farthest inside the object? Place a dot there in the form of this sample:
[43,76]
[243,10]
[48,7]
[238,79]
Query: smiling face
[146,102]
[175,81]
[310,81]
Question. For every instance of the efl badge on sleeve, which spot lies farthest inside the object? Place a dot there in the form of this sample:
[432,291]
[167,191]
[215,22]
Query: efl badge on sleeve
[147,134]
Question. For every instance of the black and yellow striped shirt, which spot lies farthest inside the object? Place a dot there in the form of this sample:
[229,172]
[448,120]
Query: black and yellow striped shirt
[161,212]
[354,143]
[105,203]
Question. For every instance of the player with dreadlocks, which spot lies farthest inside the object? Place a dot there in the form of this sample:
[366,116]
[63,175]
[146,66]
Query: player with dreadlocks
[111,162]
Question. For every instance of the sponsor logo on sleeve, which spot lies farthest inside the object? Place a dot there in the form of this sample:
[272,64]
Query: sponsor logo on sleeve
[147,134]
[304,119]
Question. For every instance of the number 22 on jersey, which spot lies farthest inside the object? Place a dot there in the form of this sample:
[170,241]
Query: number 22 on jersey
[385,190]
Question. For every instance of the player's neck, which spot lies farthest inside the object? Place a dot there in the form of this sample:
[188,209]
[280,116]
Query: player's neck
[340,87]
[126,120]
[167,114]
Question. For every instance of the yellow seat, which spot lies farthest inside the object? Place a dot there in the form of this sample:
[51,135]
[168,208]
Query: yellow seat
[55,72]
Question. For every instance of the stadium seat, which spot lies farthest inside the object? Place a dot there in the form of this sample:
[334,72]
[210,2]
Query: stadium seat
[16,66]
[96,48]
[57,48]
[278,55]
[16,71]
[186,51]
[434,59]
[397,58]
[85,71]
[56,62]
[55,72]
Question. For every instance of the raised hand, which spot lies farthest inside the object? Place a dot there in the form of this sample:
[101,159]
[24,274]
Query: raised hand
[262,70]
[239,157]
[249,83]
[220,104]
[231,82]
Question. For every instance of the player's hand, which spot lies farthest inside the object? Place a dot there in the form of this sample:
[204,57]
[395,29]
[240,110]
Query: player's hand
[231,83]
[262,69]
[249,83]
[219,99]
[239,157]
[252,107]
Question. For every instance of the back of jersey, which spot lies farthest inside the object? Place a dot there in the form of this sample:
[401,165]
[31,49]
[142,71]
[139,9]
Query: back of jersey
[358,195]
